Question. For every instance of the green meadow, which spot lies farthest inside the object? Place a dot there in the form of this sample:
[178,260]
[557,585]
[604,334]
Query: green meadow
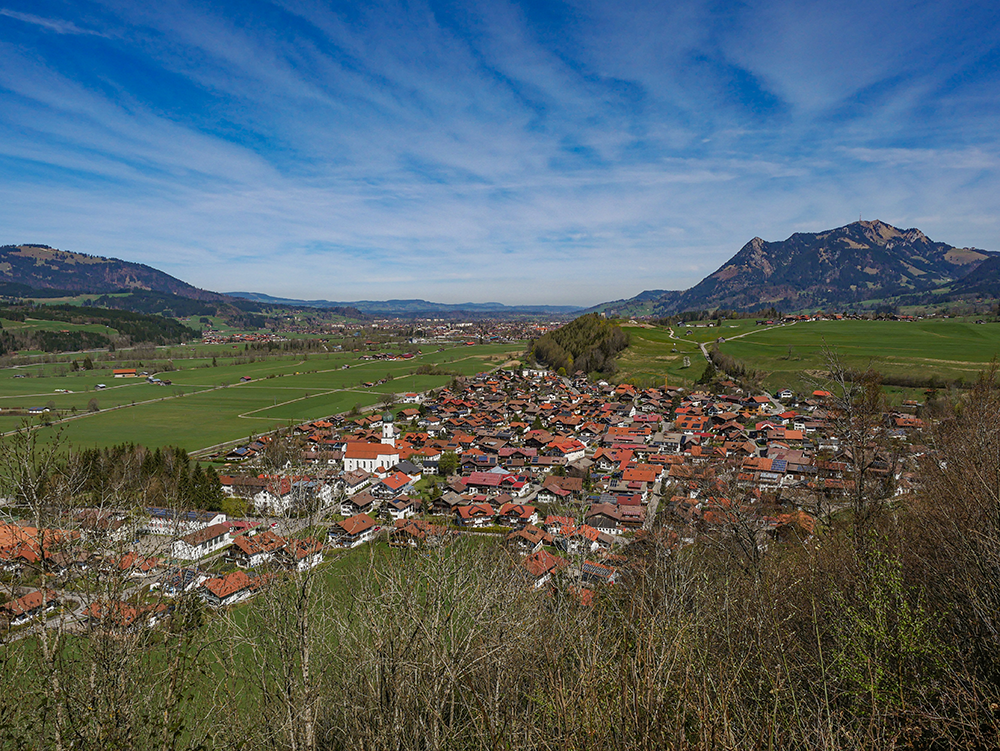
[946,349]
[794,355]
[207,405]
[653,355]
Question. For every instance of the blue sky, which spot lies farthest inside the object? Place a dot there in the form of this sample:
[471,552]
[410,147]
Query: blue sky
[562,153]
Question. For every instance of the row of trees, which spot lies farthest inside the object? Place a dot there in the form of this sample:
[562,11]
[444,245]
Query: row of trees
[729,365]
[157,477]
[718,315]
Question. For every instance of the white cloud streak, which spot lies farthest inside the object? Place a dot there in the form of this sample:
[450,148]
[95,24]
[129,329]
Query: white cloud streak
[54,25]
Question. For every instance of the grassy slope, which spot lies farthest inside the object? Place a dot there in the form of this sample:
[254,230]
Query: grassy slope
[650,353]
[35,324]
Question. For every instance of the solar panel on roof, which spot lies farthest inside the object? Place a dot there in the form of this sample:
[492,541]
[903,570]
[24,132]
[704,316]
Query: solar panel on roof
[778,465]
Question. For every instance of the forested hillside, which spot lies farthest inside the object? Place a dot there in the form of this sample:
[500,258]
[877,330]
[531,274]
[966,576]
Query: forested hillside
[42,267]
[588,344]
[132,328]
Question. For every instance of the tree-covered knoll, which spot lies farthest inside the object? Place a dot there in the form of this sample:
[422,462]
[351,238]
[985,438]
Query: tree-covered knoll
[588,344]
[156,303]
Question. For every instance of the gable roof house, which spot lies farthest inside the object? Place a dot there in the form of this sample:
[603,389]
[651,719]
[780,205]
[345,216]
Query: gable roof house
[181,581]
[541,565]
[250,551]
[276,498]
[553,524]
[496,482]
[23,609]
[138,565]
[300,554]
[242,486]
[598,572]
[118,615]
[566,449]
[604,523]
[517,515]
[595,539]
[412,533]
[392,486]
[475,515]
[362,503]
[168,521]
[352,532]
[202,542]
[529,539]
[228,589]
[401,508]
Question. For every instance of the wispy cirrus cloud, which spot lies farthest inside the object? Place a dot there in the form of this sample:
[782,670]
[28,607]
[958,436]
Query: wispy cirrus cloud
[517,152]
[55,25]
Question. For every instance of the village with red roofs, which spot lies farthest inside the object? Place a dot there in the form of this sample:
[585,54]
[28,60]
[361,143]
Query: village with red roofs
[567,472]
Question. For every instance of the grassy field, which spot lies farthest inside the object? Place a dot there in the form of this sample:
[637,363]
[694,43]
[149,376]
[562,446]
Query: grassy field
[35,324]
[208,405]
[793,355]
[947,349]
[653,353]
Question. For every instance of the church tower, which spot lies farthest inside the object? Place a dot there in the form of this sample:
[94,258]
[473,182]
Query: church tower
[388,430]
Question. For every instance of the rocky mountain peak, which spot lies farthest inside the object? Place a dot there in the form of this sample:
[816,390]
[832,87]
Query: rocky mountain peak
[877,232]
[867,259]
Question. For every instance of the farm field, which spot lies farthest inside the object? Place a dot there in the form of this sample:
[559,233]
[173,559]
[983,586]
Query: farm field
[206,406]
[792,355]
[945,349]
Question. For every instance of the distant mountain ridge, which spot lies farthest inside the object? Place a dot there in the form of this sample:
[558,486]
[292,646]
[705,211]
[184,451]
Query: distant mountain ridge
[34,270]
[43,267]
[860,261]
[412,307]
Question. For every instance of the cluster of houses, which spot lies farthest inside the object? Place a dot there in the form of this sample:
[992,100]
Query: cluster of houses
[388,356]
[210,336]
[520,447]
[190,536]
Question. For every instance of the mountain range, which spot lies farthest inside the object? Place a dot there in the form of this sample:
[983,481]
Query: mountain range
[837,268]
[865,260]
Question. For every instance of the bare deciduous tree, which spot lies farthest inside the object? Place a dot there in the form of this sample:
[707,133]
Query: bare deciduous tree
[858,407]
